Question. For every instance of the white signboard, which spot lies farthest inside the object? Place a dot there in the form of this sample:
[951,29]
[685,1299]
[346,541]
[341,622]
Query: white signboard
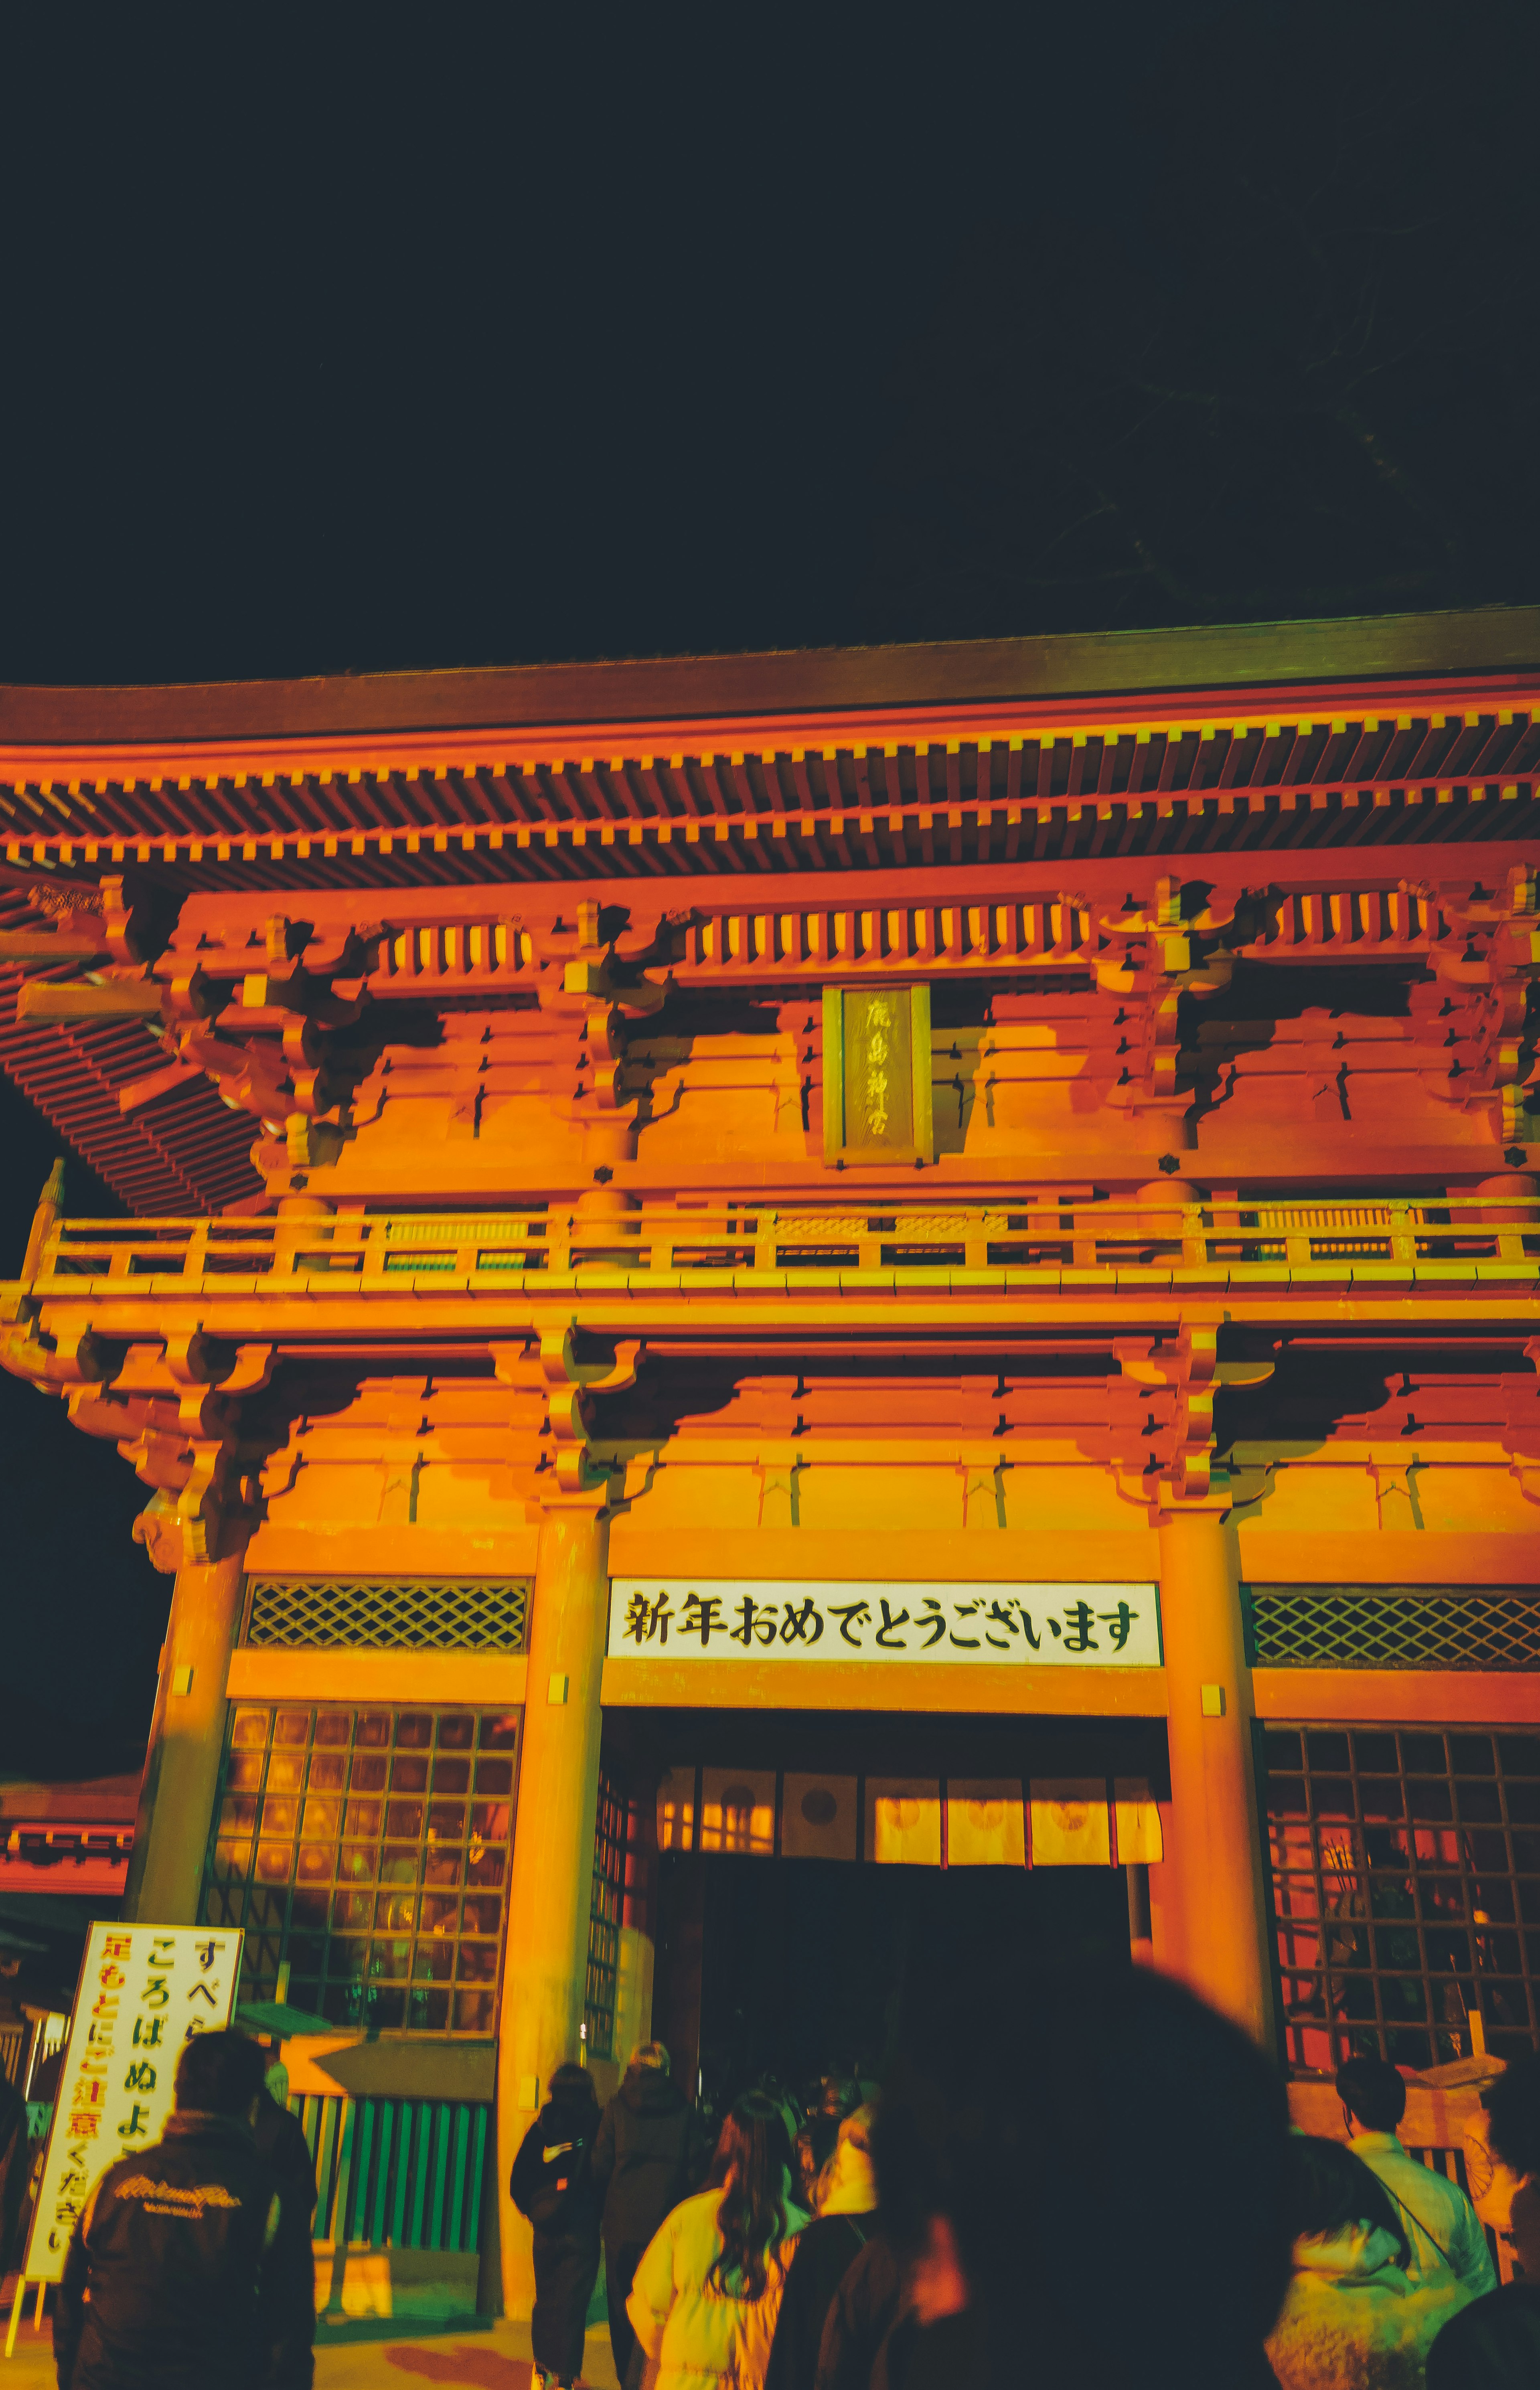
[761,1618]
[144,1991]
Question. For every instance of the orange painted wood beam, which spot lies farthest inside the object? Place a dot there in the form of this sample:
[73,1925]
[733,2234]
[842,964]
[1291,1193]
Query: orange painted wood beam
[993,1556]
[1390,1556]
[986,1691]
[1415,1696]
[486,1680]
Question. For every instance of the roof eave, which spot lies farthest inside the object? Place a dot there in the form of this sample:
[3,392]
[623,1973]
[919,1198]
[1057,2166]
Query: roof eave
[1391,647]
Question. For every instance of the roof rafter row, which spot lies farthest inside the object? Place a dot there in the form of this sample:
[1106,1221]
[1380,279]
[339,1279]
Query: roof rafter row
[537,807]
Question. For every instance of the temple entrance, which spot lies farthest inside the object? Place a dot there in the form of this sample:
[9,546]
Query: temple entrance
[794,1967]
[809,1870]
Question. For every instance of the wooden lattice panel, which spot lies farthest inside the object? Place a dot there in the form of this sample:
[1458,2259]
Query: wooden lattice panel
[437,1613]
[1351,1626]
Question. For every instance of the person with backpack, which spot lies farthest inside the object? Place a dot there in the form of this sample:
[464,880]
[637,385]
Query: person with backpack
[552,2184]
[650,2154]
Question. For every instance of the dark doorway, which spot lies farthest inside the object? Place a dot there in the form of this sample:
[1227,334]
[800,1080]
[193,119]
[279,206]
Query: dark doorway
[790,1966]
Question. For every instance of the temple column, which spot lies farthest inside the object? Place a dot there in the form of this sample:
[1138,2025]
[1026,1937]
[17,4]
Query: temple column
[1213,1927]
[186,1737]
[546,1965]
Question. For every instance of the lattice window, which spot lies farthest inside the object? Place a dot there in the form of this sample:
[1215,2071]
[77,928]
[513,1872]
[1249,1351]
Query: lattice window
[1370,1626]
[604,1918]
[368,1848]
[1406,1891]
[423,1613]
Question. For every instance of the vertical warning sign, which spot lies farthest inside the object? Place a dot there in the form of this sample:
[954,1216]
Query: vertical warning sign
[144,1991]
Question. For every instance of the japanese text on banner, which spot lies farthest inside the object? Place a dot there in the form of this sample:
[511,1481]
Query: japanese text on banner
[1077,1626]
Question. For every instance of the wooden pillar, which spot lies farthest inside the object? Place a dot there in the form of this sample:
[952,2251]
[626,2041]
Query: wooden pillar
[187,1735]
[546,1965]
[1213,1925]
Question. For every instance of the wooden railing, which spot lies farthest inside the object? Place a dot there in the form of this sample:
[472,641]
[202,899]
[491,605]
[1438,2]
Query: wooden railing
[1450,1238]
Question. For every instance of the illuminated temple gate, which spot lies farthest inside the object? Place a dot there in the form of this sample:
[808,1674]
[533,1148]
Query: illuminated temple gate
[921,1256]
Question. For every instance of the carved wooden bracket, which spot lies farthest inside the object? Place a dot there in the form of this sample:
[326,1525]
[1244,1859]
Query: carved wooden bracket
[174,1410]
[1491,969]
[603,986]
[1155,957]
[570,1388]
[177,1422]
[1178,1469]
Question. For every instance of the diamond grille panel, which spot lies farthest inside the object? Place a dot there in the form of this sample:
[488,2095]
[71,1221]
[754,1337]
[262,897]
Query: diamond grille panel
[423,1613]
[1362,1626]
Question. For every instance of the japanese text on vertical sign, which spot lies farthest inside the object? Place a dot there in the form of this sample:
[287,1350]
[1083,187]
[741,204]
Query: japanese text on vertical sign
[144,1991]
[879,1043]
[1075,1626]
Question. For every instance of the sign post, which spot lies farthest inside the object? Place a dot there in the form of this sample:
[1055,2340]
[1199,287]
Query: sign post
[144,1992]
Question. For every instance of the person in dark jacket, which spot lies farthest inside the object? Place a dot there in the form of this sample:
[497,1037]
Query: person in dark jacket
[844,2195]
[1042,2213]
[185,2269]
[552,2184]
[650,2154]
[869,2304]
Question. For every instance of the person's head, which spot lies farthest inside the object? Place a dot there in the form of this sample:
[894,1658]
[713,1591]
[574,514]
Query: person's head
[848,2165]
[1330,2189]
[220,2075]
[1372,2092]
[751,2168]
[1114,2096]
[1512,2105]
[574,2086]
[648,2058]
[813,2151]
[856,2130]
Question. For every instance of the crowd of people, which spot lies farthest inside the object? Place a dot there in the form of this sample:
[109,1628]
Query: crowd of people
[1085,2179]
[1133,2209]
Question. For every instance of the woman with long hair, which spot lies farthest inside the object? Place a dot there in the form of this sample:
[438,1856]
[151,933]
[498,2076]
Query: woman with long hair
[705,2297]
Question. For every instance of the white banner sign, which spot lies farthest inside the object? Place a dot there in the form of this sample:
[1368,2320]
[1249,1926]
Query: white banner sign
[144,1991]
[1037,1625]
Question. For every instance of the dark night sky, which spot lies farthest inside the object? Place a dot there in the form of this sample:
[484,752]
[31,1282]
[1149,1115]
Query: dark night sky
[337,342]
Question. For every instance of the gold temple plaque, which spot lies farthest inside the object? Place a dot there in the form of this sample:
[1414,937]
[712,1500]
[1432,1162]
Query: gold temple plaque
[876,1074]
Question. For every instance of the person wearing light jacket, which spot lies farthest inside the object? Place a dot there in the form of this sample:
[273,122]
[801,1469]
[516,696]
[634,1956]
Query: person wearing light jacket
[707,2294]
[1356,2315]
[845,2202]
[1437,2217]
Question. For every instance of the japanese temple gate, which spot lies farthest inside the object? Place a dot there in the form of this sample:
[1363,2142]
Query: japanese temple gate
[684,1215]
